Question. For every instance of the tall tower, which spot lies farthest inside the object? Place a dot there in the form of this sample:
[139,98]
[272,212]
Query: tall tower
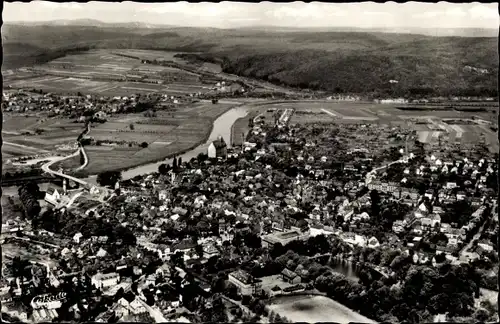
[242,141]
[65,185]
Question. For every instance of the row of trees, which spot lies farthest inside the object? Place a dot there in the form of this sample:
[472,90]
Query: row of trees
[164,168]
[29,194]
[109,178]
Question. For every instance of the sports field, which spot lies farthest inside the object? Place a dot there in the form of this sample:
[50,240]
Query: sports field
[312,309]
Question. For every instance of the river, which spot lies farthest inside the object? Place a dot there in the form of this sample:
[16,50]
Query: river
[221,127]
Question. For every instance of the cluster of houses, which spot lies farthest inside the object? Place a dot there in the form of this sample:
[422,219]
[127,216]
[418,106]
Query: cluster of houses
[238,192]
[75,106]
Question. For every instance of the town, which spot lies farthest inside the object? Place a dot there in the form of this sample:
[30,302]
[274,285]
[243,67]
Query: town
[233,162]
[298,209]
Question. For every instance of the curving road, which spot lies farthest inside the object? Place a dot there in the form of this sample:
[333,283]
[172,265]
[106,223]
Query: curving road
[46,168]
[85,158]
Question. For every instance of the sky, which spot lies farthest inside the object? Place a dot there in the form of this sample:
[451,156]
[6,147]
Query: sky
[238,14]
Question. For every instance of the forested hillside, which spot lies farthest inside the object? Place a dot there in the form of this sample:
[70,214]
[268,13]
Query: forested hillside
[358,62]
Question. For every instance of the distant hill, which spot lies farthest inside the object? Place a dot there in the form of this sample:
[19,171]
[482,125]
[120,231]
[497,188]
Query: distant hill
[436,32]
[340,61]
[87,23]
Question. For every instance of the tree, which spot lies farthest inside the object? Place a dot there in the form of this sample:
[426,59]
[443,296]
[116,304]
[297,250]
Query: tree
[202,157]
[109,178]
[131,126]
[162,169]
[178,258]
[199,250]
[174,163]
[179,161]
[82,158]
[375,202]
[144,144]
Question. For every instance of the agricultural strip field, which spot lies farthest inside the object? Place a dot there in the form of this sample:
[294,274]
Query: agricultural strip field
[151,55]
[108,73]
[318,116]
[15,124]
[12,149]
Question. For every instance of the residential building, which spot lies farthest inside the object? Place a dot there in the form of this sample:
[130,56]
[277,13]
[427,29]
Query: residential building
[290,276]
[126,308]
[44,315]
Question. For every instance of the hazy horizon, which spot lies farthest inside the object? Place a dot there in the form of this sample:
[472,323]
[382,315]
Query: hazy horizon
[391,15]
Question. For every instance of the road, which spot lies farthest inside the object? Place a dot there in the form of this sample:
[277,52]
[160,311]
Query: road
[380,168]
[46,168]
[86,185]
[475,237]
[72,200]
[25,146]
[156,314]
[85,158]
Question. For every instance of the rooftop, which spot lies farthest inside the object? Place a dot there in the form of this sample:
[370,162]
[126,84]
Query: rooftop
[243,276]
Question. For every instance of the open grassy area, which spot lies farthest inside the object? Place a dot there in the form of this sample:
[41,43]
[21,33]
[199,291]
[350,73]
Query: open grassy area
[315,309]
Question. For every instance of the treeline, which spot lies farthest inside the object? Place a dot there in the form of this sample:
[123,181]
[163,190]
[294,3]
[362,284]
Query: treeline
[29,194]
[199,57]
[64,222]
[43,56]
[32,172]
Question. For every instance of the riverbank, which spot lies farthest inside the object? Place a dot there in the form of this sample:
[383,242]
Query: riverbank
[151,165]
[221,126]
[240,129]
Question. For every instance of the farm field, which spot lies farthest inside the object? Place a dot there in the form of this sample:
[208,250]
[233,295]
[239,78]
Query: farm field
[317,116]
[166,134]
[106,73]
[151,55]
[315,309]
[17,123]
[72,85]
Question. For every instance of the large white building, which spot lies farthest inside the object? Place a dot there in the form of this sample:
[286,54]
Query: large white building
[53,195]
[105,280]
[246,283]
[284,237]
